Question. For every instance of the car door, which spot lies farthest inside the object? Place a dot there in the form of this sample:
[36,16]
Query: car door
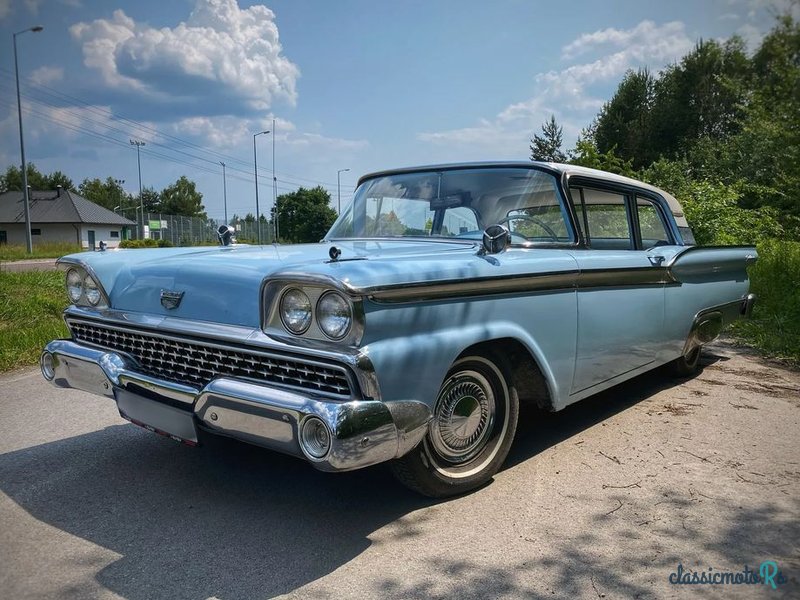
[621,282]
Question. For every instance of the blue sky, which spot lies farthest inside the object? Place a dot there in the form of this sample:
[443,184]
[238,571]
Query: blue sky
[356,84]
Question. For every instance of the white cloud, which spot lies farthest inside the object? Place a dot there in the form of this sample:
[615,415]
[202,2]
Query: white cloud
[46,75]
[659,43]
[568,93]
[221,51]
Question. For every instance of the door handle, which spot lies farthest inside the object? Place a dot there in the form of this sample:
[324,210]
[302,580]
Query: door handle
[656,261]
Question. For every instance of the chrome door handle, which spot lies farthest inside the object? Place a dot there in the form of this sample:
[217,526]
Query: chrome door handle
[656,261]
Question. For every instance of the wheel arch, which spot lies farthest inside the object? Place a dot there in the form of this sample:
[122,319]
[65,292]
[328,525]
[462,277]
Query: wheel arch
[526,374]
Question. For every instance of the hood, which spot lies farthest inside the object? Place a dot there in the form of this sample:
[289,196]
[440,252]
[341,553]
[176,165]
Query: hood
[223,284]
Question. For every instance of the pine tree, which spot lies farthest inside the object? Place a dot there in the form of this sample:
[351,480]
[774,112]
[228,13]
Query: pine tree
[547,147]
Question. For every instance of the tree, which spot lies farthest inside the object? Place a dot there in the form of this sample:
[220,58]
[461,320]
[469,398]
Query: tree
[586,154]
[57,178]
[623,125]
[304,215]
[182,198]
[547,147]
[108,193]
[12,180]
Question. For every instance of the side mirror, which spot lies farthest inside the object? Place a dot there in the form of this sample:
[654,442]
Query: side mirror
[496,238]
[225,235]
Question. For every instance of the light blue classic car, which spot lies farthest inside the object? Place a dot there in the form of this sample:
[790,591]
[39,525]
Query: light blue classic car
[441,299]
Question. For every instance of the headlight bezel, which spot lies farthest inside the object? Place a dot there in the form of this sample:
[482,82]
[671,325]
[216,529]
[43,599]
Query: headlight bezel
[84,273]
[314,286]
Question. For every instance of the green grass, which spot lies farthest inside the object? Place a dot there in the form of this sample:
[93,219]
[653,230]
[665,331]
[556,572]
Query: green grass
[775,279]
[43,250]
[30,315]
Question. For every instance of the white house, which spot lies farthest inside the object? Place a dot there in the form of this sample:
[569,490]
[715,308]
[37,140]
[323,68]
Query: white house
[61,216]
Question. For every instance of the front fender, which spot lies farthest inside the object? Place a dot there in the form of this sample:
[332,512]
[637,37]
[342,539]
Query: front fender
[413,367]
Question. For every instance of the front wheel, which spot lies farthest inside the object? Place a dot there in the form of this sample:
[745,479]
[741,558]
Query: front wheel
[470,434]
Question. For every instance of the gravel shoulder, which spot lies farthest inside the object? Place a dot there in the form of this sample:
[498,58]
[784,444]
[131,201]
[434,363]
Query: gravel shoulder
[602,500]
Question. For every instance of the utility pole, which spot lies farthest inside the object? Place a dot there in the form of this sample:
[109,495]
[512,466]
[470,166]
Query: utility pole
[274,183]
[339,187]
[255,173]
[138,145]
[224,192]
[25,192]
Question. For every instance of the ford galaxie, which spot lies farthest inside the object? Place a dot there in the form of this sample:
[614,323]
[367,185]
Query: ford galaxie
[442,299]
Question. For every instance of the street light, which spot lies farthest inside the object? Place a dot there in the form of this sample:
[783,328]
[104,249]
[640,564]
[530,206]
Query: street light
[224,192]
[25,193]
[339,187]
[138,145]
[255,172]
[274,182]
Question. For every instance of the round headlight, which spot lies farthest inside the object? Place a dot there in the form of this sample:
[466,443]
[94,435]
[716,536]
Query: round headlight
[334,315]
[92,292]
[74,285]
[295,311]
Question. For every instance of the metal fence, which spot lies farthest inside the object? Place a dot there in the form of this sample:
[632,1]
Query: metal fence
[192,231]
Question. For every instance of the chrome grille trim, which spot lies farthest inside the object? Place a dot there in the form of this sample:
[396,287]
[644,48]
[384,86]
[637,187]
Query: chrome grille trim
[197,362]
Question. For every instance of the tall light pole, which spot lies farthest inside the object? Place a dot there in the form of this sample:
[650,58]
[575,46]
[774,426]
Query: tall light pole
[274,183]
[339,186]
[138,145]
[25,193]
[224,192]
[255,173]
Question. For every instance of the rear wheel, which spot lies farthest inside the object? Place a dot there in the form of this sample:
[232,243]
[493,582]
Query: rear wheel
[688,364]
[470,433]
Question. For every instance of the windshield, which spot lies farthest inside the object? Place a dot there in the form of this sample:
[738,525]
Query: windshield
[458,203]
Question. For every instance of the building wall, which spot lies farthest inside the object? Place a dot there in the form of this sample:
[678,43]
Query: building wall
[63,233]
[102,232]
[49,232]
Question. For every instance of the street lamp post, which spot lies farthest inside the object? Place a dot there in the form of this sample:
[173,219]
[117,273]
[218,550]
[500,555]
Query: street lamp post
[274,183]
[255,173]
[25,193]
[224,192]
[339,187]
[138,145]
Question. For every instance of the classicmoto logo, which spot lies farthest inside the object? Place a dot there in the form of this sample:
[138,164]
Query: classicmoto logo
[768,574]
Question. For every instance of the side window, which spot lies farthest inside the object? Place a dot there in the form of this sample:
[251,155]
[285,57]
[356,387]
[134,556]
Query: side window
[605,220]
[651,224]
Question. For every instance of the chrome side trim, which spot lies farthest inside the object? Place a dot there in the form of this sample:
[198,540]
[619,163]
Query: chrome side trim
[545,282]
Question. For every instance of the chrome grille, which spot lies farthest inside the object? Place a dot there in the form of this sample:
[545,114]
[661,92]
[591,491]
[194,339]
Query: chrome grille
[197,364]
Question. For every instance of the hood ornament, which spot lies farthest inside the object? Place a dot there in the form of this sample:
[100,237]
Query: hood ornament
[171,299]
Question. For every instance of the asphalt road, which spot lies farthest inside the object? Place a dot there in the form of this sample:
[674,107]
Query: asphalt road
[602,500]
[33,264]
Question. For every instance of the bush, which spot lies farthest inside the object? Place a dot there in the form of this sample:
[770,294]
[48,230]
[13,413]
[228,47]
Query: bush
[775,279]
[139,243]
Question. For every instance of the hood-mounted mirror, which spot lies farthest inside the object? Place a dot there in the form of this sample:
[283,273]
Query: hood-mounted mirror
[225,235]
[496,238]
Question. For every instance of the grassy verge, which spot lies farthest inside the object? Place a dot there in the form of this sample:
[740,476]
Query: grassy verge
[30,315]
[43,250]
[775,278]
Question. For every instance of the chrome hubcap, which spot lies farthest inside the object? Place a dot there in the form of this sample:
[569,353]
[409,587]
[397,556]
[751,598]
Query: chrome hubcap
[464,416]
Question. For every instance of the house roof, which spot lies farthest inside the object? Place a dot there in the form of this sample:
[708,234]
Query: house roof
[57,206]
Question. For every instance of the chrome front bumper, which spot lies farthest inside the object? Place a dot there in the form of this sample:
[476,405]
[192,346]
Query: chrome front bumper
[361,432]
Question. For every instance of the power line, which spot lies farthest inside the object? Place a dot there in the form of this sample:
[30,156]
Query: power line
[108,115]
